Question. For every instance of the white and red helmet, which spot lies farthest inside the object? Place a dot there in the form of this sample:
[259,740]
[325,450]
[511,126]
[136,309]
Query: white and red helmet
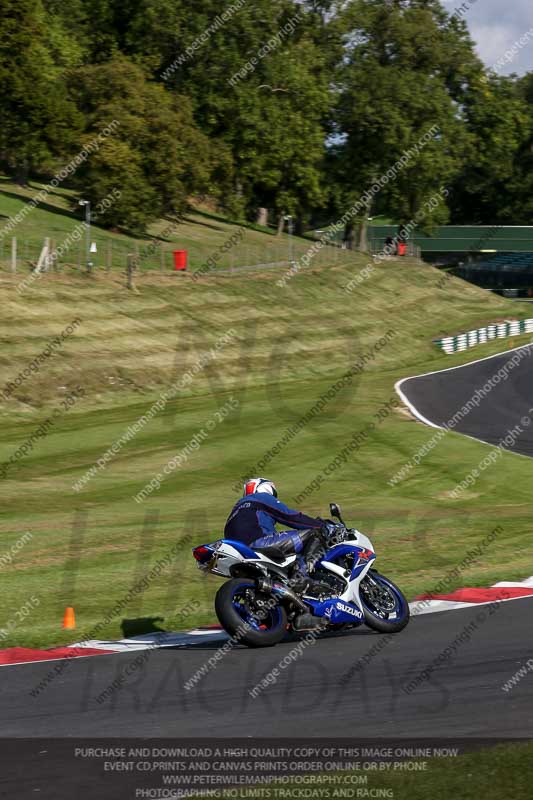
[254,485]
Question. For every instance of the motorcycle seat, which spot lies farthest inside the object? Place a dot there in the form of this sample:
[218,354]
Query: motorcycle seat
[274,553]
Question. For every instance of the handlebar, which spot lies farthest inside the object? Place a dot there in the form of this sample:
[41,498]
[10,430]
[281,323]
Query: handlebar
[335,533]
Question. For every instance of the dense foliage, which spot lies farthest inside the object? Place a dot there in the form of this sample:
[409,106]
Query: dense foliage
[269,108]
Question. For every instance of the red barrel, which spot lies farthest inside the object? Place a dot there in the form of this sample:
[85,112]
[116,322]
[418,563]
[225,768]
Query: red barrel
[180,259]
[402,249]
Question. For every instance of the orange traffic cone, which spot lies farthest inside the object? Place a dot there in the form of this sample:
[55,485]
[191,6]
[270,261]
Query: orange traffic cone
[69,619]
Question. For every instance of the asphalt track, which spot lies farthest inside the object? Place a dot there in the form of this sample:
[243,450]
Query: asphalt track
[319,695]
[437,396]
[323,693]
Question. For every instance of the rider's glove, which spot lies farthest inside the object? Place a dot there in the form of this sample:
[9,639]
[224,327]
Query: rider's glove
[331,529]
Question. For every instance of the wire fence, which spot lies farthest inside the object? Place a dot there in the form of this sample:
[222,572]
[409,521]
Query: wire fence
[157,256]
[412,250]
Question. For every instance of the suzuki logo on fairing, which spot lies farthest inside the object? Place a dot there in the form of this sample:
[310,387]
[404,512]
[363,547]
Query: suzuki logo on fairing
[348,609]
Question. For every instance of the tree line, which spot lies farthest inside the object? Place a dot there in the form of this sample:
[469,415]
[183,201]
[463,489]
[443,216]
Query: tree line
[269,108]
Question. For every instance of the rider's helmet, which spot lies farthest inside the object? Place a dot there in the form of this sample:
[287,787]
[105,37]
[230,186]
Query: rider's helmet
[254,485]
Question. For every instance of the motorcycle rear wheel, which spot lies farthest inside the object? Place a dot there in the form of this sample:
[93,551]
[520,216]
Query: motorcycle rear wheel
[249,615]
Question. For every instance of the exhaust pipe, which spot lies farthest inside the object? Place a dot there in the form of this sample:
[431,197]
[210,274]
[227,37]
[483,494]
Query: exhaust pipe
[264,585]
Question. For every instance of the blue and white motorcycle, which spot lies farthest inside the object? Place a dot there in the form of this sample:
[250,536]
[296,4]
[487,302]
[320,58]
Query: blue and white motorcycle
[259,604]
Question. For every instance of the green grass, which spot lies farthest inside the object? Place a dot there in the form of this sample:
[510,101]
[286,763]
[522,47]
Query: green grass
[88,548]
[505,771]
[201,233]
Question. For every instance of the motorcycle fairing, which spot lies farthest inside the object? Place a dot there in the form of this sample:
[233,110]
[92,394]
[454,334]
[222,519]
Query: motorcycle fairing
[336,611]
[225,553]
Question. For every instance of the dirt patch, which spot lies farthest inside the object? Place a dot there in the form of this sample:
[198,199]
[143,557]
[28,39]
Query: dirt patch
[463,496]
[405,413]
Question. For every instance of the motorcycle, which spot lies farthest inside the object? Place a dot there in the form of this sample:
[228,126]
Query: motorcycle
[260,604]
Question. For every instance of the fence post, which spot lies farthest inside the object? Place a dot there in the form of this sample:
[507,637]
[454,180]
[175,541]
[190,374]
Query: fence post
[14,254]
[46,265]
[53,262]
[132,266]
[42,262]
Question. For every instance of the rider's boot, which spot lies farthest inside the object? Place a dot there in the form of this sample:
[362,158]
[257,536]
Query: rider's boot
[311,554]
[304,582]
[300,579]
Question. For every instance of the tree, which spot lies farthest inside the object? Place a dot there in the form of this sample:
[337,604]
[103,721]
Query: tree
[66,32]
[147,31]
[259,85]
[39,122]
[156,155]
[521,184]
[495,184]
[405,71]
[278,147]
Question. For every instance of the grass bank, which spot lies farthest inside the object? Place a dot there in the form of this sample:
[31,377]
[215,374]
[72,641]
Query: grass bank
[89,546]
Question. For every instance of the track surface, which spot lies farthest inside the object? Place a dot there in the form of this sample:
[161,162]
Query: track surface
[437,396]
[463,698]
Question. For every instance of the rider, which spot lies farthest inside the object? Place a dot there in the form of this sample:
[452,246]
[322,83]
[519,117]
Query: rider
[253,521]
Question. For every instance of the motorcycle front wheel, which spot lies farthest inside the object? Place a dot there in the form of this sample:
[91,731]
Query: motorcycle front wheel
[248,615]
[385,608]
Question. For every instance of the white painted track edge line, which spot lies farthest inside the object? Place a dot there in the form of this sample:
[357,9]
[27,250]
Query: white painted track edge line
[468,363]
[460,605]
[416,413]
